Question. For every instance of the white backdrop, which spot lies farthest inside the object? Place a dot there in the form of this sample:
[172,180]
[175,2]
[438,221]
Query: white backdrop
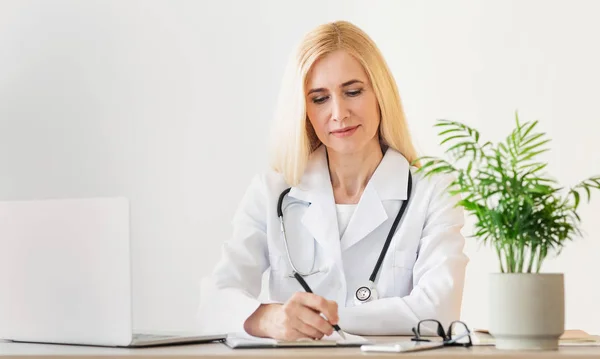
[170,102]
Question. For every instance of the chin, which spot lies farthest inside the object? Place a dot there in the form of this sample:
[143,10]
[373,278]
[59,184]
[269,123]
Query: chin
[347,148]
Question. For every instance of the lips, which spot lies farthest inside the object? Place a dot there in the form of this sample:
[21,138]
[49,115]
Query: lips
[344,132]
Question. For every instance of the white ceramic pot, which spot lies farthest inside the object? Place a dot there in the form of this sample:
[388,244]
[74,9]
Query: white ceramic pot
[527,311]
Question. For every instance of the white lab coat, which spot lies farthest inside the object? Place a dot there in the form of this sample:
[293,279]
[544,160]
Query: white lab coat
[421,277]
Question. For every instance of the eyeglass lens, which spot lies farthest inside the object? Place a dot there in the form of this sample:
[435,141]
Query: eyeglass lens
[459,332]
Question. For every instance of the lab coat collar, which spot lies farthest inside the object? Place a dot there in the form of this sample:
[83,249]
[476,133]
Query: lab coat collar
[315,183]
[390,179]
[389,182]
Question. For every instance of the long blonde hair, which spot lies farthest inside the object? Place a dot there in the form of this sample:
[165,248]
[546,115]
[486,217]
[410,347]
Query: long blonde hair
[294,139]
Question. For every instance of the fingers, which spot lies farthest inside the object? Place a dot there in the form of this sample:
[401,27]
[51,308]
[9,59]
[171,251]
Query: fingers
[315,321]
[305,320]
[302,317]
[303,313]
[308,330]
[328,308]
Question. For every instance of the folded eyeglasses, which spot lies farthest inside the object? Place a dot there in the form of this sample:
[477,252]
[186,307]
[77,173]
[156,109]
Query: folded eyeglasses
[458,334]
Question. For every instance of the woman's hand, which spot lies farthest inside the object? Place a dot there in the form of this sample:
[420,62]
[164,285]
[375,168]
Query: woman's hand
[298,318]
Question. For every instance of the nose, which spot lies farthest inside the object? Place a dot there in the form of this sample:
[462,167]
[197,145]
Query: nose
[339,110]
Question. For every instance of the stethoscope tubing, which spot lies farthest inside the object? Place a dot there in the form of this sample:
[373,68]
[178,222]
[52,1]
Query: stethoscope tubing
[388,241]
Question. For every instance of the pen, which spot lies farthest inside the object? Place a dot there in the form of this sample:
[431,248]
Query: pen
[307,289]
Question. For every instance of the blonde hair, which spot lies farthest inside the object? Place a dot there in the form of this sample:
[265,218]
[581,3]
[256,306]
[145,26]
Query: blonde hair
[294,138]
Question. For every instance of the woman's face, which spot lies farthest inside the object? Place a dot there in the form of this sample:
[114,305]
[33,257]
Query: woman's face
[341,104]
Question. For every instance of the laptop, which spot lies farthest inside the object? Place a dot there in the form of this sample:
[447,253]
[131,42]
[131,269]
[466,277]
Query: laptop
[65,274]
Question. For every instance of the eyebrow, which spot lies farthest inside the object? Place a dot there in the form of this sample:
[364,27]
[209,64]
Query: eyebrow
[347,83]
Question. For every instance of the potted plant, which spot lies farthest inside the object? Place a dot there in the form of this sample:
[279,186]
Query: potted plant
[524,215]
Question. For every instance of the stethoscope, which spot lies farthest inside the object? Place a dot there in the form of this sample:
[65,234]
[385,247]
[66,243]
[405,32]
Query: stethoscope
[365,293]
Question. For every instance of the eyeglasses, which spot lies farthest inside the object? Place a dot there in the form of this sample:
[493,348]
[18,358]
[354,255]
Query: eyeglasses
[458,333]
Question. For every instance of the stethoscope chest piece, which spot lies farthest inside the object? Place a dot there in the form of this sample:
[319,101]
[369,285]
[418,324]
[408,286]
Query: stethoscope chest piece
[365,294]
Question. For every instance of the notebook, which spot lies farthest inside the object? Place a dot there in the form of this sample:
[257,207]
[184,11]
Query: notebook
[244,340]
[569,338]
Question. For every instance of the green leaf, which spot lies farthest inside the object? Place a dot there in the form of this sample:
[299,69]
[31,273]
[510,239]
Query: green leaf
[422,159]
[531,139]
[531,155]
[442,169]
[449,131]
[529,128]
[468,145]
[538,166]
[452,138]
[587,190]
[530,148]
[441,123]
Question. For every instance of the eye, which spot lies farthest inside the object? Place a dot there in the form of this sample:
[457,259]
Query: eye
[319,100]
[353,93]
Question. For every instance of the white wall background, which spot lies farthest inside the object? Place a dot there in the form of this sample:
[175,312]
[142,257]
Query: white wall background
[170,102]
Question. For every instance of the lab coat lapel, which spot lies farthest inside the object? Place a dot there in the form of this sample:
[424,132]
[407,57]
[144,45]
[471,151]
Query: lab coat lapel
[322,224]
[320,218]
[368,215]
[389,182]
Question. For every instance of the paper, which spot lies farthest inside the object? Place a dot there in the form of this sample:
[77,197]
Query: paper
[351,339]
[244,340]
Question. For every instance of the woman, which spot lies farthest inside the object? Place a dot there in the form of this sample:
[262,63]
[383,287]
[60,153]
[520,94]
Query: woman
[344,150]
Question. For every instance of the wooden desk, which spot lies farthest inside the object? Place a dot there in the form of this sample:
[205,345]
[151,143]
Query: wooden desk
[218,350]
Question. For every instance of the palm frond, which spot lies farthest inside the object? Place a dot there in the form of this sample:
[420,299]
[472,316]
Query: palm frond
[586,185]
[451,131]
[432,165]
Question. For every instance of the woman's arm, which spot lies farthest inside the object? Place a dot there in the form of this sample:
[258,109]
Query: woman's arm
[230,295]
[438,276]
